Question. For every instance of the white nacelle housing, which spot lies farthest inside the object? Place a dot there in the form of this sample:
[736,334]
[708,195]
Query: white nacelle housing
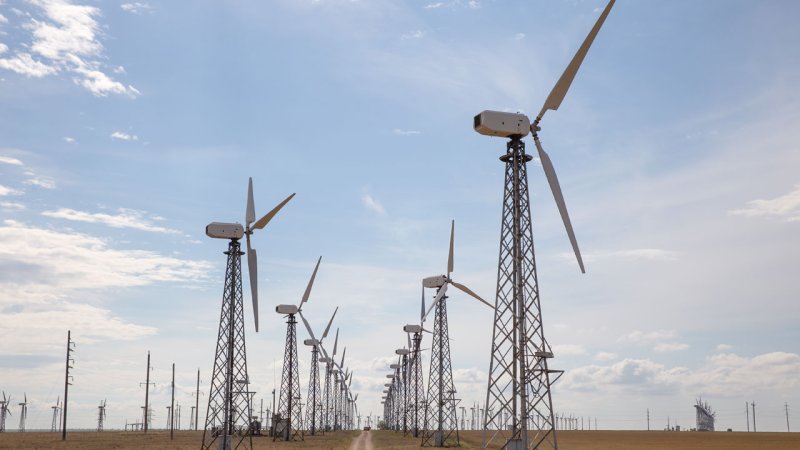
[310,342]
[401,352]
[221,230]
[412,329]
[496,123]
[434,282]
[286,309]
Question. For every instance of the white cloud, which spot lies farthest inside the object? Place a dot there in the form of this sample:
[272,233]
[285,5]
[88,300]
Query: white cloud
[3,48]
[725,375]
[70,260]
[122,136]
[372,204]
[786,206]
[42,182]
[66,37]
[434,5]
[646,338]
[416,34]
[127,218]
[3,19]
[10,160]
[401,132]
[12,206]
[24,64]
[136,7]
[69,140]
[569,350]
[605,356]
[670,347]
[6,191]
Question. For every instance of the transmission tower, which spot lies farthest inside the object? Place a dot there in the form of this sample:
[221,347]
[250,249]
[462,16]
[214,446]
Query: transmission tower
[101,415]
[441,425]
[227,417]
[288,428]
[23,414]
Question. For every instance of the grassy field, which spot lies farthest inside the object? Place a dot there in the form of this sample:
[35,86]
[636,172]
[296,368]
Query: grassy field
[568,440]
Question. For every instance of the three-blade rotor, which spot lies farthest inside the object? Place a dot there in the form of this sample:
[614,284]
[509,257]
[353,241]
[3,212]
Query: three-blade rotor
[446,280]
[252,257]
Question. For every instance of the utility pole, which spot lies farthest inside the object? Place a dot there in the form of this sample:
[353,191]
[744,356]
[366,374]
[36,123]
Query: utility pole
[786,406]
[648,419]
[172,407]
[197,400]
[70,349]
[753,404]
[147,394]
[747,415]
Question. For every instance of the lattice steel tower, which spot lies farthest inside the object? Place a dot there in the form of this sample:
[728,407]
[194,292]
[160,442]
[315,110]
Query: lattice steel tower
[289,425]
[441,425]
[313,400]
[228,414]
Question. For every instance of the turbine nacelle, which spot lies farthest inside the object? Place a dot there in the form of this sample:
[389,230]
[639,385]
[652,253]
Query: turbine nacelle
[286,309]
[412,329]
[311,342]
[394,366]
[503,124]
[221,230]
[434,281]
[401,352]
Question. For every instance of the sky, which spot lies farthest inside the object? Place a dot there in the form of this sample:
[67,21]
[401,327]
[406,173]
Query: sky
[126,127]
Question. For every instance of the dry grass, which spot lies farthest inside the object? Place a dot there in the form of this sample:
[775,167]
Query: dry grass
[568,440]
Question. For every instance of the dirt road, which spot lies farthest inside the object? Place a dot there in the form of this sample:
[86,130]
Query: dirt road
[362,442]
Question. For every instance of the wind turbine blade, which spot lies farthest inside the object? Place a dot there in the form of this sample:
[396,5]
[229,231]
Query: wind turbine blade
[562,86]
[325,334]
[323,351]
[252,269]
[344,352]
[468,291]
[335,341]
[310,284]
[308,327]
[450,255]
[262,222]
[436,300]
[422,310]
[552,179]
[250,214]
[409,340]
[356,398]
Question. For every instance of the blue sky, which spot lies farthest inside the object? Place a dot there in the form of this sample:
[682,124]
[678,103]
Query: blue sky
[127,127]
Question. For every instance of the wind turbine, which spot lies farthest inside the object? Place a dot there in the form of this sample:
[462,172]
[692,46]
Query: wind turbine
[4,411]
[101,415]
[228,402]
[315,413]
[289,427]
[416,384]
[519,376]
[441,424]
[23,413]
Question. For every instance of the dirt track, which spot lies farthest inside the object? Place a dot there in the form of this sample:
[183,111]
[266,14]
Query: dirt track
[362,442]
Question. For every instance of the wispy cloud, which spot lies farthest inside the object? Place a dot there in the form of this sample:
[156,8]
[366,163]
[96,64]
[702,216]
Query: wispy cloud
[605,356]
[136,7]
[661,341]
[786,206]
[670,347]
[434,5]
[6,191]
[416,34]
[401,132]
[122,136]
[64,38]
[724,347]
[40,181]
[69,140]
[126,218]
[12,206]
[10,160]
[372,204]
